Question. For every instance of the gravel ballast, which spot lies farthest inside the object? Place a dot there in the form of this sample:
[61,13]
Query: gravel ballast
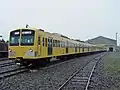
[107,73]
[44,79]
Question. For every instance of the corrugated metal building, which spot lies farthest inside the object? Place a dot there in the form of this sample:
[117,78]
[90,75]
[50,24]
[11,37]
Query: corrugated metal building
[110,44]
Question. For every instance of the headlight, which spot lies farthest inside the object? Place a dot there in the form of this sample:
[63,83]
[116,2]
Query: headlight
[31,50]
[10,50]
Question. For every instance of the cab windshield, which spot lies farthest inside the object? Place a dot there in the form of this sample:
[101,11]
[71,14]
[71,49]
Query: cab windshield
[21,37]
[27,37]
[14,38]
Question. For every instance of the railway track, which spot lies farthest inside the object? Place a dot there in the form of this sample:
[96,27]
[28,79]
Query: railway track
[3,59]
[80,80]
[9,68]
[17,70]
[7,64]
[12,72]
[59,62]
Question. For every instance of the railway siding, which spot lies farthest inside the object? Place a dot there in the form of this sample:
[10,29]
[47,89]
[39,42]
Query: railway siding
[107,73]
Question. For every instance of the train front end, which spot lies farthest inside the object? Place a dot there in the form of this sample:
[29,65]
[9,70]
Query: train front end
[22,45]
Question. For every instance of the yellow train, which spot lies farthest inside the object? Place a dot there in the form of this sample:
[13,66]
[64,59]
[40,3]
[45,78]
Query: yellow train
[29,46]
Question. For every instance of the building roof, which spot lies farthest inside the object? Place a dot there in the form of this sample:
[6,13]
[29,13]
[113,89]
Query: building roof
[102,40]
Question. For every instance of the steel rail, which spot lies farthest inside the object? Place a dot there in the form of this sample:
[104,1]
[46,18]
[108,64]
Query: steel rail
[88,82]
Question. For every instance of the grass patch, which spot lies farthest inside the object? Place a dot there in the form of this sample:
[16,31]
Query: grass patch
[112,62]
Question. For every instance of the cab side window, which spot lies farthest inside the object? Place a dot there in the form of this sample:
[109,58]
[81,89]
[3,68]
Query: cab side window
[39,40]
[43,42]
[46,42]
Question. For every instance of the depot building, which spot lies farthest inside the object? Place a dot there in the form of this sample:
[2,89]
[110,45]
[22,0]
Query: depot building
[110,44]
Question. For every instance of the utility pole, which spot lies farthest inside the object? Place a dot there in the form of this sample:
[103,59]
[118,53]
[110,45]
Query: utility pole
[116,38]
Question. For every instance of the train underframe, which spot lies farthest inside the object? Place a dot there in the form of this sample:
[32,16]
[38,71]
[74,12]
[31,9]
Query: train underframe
[45,61]
[4,54]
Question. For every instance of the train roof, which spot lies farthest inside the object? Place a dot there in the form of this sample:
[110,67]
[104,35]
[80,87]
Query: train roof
[34,29]
[60,37]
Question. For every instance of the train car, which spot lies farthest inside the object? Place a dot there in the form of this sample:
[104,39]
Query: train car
[29,46]
[3,50]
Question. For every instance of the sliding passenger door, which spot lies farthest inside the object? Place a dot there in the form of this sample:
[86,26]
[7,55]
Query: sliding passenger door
[39,46]
[67,47]
[49,46]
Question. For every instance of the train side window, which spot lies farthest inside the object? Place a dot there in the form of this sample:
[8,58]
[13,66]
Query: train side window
[64,44]
[61,43]
[58,43]
[70,45]
[43,41]
[39,40]
[46,42]
[83,49]
[53,43]
[75,49]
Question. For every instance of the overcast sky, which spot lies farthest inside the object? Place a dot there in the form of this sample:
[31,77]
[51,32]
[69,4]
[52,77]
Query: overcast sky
[82,19]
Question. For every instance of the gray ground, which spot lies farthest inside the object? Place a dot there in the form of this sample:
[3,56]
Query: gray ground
[46,79]
[106,76]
